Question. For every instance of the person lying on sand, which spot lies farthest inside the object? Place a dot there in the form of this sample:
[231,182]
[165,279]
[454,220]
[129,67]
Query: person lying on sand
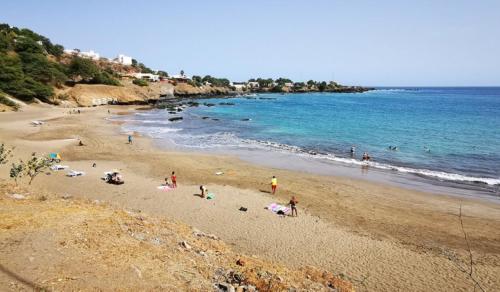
[204,191]
[293,203]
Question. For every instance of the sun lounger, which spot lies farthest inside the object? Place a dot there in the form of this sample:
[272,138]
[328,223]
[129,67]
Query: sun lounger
[210,196]
[219,173]
[58,167]
[74,173]
[36,123]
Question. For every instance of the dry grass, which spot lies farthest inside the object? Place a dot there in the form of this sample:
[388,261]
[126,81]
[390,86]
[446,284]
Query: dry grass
[66,244]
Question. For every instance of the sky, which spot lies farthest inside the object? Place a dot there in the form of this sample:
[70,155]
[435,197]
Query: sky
[371,43]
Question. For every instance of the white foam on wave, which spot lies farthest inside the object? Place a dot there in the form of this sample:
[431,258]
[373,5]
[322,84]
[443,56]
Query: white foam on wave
[441,175]
[231,140]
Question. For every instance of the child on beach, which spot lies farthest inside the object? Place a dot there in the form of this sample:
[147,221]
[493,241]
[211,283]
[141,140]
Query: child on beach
[130,139]
[204,191]
[293,203]
[166,182]
[274,184]
[174,179]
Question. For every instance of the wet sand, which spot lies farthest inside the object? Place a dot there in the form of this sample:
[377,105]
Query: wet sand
[381,237]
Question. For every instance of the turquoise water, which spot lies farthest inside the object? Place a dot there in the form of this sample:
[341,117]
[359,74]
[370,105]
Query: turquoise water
[445,133]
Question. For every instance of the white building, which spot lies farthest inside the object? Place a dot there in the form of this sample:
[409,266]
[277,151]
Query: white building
[180,78]
[89,55]
[125,60]
[147,76]
[239,85]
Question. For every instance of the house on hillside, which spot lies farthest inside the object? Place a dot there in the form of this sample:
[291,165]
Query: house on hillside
[89,55]
[239,85]
[123,59]
[147,76]
[179,78]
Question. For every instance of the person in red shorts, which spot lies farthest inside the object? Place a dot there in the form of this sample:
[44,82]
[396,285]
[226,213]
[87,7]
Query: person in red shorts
[174,179]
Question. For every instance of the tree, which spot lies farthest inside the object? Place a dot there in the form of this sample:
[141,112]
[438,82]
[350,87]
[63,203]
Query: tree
[197,80]
[5,153]
[162,73]
[322,86]
[311,83]
[82,68]
[182,72]
[265,82]
[134,63]
[28,45]
[36,165]
[282,81]
[17,171]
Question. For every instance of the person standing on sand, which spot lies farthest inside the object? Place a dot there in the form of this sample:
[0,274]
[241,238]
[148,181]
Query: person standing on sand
[274,184]
[204,191]
[174,179]
[293,203]
[130,139]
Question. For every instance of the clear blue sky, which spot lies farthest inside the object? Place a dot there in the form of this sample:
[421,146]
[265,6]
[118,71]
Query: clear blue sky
[432,43]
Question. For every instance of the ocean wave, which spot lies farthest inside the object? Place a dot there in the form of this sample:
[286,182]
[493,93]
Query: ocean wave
[230,140]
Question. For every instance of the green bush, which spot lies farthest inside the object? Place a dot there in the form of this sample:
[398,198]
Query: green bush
[104,78]
[140,82]
[4,100]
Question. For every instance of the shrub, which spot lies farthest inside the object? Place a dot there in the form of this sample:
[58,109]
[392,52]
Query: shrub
[4,100]
[104,78]
[140,82]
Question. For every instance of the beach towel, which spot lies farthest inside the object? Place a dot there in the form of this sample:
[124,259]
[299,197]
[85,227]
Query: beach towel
[36,123]
[164,188]
[210,196]
[275,208]
[58,167]
[74,173]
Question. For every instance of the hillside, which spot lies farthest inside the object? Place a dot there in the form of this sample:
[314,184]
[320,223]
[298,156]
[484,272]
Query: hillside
[51,243]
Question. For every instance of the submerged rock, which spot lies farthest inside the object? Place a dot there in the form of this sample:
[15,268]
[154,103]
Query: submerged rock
[175,119]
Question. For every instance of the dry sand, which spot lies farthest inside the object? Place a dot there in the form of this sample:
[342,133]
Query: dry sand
[382,238]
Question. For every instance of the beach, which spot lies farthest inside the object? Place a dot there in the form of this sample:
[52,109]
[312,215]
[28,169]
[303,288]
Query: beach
[378,236]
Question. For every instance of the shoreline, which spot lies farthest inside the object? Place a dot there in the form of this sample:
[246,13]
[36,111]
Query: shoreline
[400,237]
[386,172]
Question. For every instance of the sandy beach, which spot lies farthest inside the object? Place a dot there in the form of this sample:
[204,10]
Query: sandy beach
[379,237]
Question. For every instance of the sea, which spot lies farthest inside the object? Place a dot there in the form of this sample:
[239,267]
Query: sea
[444,140]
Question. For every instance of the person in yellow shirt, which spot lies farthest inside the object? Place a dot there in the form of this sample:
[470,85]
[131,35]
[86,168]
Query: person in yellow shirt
[274,184]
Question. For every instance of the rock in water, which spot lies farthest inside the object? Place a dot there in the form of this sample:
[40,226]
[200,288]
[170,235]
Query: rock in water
[175,119]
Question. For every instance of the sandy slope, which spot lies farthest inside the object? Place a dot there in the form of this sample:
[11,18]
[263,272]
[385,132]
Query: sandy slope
[382,238]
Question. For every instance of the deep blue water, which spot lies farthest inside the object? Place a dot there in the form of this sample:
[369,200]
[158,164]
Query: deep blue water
[445,133]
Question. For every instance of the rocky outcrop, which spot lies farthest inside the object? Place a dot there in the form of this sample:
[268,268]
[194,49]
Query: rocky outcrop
[98,94]
[185,89]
